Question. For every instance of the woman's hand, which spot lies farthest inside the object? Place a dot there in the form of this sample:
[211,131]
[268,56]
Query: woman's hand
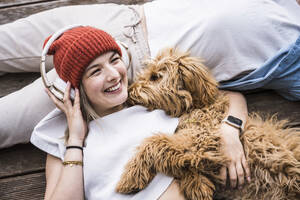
[76,123]
[232,148]
[237,168]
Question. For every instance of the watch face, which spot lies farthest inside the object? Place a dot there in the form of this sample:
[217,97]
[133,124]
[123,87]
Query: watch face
[235,120]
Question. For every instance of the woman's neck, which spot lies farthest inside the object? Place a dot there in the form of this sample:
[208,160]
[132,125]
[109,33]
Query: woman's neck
[109,111]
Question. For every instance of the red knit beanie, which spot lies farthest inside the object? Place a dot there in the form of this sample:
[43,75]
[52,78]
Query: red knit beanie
[76,48]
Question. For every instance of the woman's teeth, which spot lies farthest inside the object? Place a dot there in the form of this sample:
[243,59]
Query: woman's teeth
[114,88]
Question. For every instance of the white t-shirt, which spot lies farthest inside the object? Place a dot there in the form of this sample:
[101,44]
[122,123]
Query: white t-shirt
[111,142]
[232,36]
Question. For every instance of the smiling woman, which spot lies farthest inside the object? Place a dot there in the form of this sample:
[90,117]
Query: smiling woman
[92,62]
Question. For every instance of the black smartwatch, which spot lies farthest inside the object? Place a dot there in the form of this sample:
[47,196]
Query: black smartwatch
[234,122]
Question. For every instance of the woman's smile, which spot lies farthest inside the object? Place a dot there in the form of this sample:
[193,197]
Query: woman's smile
[114,89]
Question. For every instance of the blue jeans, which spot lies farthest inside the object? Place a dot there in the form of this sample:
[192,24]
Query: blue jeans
[280,73]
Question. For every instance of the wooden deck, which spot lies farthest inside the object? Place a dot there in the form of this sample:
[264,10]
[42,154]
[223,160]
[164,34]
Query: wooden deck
[22,166]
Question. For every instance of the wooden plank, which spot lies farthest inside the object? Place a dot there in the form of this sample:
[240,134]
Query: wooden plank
[269,102]
[11,14]
[21,159]
[13,82]
[15,3]
[4,2]
[28,187]
[18,2]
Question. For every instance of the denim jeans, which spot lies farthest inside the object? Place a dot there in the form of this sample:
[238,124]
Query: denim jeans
[280,73]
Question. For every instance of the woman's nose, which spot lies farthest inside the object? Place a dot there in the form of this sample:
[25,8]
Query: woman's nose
[112,73]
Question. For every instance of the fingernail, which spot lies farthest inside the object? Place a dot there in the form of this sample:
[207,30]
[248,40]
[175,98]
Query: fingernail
[248,179]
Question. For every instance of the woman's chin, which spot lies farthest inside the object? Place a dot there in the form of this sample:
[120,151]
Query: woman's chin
[119,102]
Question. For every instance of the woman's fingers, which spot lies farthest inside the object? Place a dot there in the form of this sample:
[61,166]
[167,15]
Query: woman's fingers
[77,99]
[232,148]
[237,173]
[66,99]
[240,174]
[66,104]
[246,168]
[232,175]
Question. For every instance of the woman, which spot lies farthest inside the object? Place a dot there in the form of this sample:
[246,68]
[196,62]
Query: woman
[90,59]
[233,38]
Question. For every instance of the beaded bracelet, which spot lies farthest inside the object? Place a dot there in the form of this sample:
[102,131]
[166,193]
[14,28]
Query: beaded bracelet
[71,163]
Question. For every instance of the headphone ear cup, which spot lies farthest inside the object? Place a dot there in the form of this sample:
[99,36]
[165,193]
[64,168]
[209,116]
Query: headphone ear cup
[60,85]
[126,57]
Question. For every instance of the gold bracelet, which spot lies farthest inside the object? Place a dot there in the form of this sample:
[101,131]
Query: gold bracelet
[71,163]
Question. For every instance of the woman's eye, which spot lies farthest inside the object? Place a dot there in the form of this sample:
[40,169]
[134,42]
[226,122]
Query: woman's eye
[95,71]
[115,59]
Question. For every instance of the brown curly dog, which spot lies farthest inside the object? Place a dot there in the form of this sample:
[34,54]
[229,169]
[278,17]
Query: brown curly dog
[183,87]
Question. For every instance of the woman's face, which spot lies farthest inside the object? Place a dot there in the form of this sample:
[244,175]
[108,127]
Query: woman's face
[105,83]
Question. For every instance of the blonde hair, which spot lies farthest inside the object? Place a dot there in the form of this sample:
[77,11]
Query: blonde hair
[87,110]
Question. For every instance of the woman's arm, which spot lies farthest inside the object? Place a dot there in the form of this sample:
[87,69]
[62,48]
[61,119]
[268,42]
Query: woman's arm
[232,147]
[66,181]
[172,192]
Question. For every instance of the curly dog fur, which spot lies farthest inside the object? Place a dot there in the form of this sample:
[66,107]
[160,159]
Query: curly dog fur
[183,87]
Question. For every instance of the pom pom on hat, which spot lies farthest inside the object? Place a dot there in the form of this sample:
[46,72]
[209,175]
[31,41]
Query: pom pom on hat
[76,48]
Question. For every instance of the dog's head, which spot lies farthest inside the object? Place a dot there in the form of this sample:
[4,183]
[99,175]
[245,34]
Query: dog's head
[174,82]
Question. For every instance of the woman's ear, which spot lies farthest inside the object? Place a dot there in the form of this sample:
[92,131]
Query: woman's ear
[197,79]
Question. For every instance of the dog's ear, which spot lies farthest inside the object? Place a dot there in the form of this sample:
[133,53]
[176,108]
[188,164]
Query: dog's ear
[198,81]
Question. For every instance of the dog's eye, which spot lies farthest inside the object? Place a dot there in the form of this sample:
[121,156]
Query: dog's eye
[154,77]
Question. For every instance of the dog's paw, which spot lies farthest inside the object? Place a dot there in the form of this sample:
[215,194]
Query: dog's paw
[131,184]
[134,179]
[127,187]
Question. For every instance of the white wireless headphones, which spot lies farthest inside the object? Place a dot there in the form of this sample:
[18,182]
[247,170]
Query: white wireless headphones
[58,87]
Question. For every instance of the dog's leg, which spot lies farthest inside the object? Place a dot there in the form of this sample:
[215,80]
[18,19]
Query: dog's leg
[137,173]
[159,153]
[169,154]
[196,186]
